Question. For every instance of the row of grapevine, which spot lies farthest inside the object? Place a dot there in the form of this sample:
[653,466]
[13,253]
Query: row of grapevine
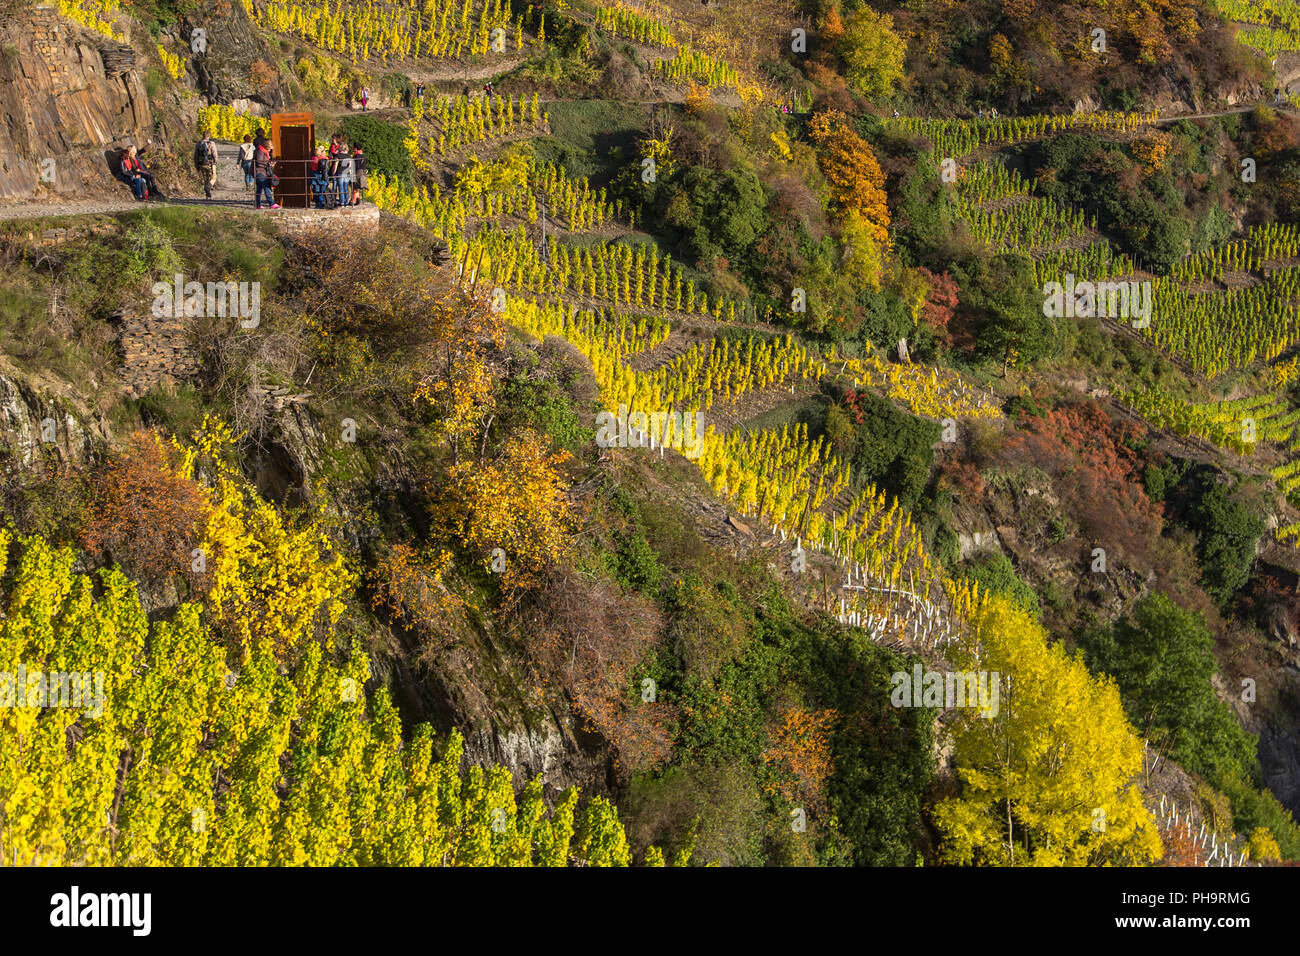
[692,66]
[1024,226]
[687,64]
[1261,245]
[482,192]
[778,477]
[1096,261]
[1288,534]
[1025,223]
[1229,329]
[462,120]
[1275,24]
[989,182]
[1238,425]
[362,29]
[223,123]
[582,206]
[271,766]
[618,272]
[928,391]
[956,138]
[624,21]
[1001,210]
[783,478]
[693,381]
[97,15]
[173,64]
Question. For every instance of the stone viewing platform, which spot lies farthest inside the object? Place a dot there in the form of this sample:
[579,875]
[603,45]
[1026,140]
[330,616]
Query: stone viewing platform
[364,218]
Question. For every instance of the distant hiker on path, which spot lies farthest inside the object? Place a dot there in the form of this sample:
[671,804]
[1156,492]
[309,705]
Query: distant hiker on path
[365,98]
[419,92]
[1277,94]
[246,160]
[205,161]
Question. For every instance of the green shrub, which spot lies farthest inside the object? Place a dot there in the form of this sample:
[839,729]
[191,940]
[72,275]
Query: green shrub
[1162,657]
[995,573]
[893,449]
[383,144]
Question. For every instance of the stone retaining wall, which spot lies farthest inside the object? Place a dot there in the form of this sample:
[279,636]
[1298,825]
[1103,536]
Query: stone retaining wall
[363,218]
[154,348]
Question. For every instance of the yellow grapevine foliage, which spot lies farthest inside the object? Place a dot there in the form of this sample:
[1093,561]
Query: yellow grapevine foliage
[179,762]
[94,15]
[272,582]
[223,123]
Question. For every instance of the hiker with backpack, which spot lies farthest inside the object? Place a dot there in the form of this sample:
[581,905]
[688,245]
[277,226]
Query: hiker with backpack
[246,160]
[205,161]
[365,97]
[318,176]
[264,175]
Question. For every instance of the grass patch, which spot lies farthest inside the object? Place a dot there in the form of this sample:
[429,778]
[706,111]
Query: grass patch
[590,138]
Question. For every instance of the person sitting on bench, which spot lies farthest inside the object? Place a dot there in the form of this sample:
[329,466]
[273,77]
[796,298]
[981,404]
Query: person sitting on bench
[136,174]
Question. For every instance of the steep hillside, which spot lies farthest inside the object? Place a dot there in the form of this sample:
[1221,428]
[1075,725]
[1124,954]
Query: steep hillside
[791,434]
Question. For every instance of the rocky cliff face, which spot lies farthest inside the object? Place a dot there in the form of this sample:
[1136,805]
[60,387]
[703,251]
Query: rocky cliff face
[236,67]
[33,425]
[62,107]
[476,681]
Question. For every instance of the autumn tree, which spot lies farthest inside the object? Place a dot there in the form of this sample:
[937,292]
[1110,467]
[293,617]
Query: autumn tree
[941,299]
[515,502]
[457,382]
[369,296]
[413,588]
[852,173]
[586,636]
[1263,846]
[1048,780]
[872,51]
[862,258]
[799,756]
[145,515]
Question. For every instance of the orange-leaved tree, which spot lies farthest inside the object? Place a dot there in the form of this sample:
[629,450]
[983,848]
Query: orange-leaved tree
[146,515]
[852,173]
[799,754]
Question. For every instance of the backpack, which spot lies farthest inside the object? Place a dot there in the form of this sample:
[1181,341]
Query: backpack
[203,155]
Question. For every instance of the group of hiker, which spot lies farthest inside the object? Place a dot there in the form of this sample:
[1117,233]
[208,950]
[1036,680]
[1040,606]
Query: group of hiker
[255,161]
[336,174]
